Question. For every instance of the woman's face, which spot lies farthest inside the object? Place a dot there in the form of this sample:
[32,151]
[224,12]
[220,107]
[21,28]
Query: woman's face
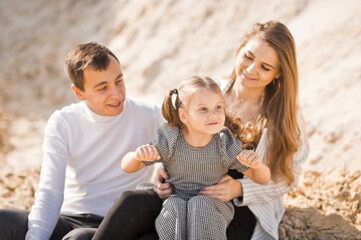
[256,64]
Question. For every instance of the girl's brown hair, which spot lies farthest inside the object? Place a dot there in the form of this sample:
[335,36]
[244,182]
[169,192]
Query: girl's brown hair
[183,96]
[279,104]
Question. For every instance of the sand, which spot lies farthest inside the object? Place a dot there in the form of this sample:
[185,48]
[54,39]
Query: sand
[161,42]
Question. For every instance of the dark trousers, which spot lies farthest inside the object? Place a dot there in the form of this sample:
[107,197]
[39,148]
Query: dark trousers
[134,213]
[131,217]
[14,225]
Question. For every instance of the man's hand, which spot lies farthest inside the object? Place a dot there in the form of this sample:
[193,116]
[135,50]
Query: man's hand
[163,189]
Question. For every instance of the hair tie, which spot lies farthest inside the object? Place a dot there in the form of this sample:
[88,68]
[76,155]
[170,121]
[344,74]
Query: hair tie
[174,99]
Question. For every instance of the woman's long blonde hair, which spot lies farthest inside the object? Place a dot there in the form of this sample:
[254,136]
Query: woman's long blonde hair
[279,104]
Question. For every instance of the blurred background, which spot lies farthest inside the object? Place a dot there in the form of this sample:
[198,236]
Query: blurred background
[161,42]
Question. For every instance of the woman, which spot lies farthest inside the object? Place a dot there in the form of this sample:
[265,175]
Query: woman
[262,111]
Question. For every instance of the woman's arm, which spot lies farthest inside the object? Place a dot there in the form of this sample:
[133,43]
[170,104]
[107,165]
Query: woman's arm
[255,193]
[252,192]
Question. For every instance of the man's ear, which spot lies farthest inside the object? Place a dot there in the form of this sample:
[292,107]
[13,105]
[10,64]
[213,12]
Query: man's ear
[183,115]
[78,93]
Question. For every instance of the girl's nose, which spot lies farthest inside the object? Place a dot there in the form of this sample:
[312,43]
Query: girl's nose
[213,114]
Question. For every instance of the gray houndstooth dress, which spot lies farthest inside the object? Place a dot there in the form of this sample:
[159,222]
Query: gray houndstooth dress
[186,214]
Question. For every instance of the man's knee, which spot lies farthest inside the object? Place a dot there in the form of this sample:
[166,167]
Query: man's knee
[13,217]
[80,234]
[131,201]
[13,223]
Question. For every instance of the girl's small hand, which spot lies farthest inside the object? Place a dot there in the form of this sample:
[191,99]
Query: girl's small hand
[250,159]
[147,153]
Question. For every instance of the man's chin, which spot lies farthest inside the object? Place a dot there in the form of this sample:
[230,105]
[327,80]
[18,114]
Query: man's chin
[114,110]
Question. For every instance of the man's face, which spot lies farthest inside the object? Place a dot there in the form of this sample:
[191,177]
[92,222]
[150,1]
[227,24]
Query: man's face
[104,91]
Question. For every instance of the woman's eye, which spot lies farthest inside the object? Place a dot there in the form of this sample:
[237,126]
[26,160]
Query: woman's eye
[203,109]
[248,57]
[265,68]
[219,107]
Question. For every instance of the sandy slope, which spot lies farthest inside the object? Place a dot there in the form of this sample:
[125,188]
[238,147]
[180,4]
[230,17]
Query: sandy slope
[159,43]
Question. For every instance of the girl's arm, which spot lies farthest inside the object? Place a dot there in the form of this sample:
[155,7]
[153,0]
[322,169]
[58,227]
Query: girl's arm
[133,161]
[258,171]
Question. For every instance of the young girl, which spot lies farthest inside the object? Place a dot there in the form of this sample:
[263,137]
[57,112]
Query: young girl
[197,151]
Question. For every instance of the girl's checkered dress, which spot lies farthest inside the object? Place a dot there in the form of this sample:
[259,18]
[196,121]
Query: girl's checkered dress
[185,214]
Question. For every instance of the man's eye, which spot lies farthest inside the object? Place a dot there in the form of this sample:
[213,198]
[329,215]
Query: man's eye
[102,89]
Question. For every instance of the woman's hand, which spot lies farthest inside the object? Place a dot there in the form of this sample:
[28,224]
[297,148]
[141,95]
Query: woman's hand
[225,190]
[163,189]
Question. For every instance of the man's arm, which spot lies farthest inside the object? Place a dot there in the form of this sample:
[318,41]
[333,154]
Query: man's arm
[45,212]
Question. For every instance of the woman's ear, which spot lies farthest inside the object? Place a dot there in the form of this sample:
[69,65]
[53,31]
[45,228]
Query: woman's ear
[277,75]
[183,115]
[78,93]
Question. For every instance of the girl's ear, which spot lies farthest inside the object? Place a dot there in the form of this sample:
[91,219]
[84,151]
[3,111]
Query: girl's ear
[78,93]
[183,115]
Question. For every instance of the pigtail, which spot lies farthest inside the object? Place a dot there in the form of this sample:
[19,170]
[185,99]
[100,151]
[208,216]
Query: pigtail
[170,110]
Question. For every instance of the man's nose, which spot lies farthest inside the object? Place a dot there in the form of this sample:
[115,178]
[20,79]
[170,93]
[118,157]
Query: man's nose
[115,92]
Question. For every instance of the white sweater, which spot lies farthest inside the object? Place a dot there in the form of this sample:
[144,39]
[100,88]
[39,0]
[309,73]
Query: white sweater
[81,168]
[266,201]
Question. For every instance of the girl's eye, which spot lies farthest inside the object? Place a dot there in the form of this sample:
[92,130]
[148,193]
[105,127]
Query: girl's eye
[219,107]
[203,109]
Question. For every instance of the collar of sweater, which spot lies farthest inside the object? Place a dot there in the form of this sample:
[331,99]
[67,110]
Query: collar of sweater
[90,114]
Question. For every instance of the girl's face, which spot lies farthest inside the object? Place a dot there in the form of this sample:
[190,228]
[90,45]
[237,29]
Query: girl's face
[256,64]
[204,113]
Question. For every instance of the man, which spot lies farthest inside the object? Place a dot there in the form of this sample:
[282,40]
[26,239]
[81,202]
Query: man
[84,143]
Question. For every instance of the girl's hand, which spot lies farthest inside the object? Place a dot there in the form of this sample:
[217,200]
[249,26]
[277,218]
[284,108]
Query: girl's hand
[147,153]
[225,190]
[163,189]
[250,159]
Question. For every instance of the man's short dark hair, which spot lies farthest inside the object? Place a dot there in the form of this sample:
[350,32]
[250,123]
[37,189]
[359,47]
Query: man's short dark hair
[89,55]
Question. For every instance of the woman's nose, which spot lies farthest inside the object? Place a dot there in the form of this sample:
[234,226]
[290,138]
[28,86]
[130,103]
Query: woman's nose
[251,68]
